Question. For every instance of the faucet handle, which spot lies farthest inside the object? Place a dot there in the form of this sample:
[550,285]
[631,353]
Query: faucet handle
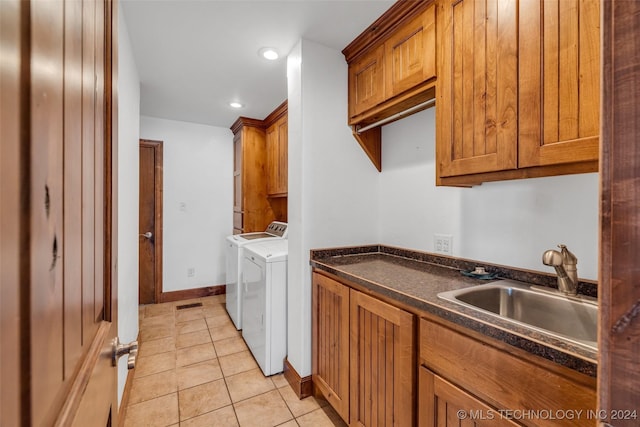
[567,257]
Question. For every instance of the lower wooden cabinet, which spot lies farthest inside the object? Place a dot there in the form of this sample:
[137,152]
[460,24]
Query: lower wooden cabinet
[489,374]
[382,363]
[363,355]
[371,365]
[330,358]
[442,404]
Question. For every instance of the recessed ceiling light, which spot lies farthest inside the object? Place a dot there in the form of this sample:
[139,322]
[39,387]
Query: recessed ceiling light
[269,53]
[235,105]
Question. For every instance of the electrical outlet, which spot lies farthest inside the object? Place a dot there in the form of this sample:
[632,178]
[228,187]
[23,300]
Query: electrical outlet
[443,243]
[191,271]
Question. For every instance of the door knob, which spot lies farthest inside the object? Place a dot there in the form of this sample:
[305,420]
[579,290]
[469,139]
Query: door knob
[147,235]
[120,349]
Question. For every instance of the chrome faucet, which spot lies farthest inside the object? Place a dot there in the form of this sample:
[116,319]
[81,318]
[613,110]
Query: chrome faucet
[565,264]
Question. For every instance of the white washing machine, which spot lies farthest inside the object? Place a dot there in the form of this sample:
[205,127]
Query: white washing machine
[264,299]
[234,249]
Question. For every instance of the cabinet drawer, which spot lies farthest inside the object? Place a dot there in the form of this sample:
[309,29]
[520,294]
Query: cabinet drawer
[504,380]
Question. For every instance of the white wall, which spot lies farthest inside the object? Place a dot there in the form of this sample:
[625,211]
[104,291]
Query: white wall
[333,187]
[128,177]
[509,222]
[197,196]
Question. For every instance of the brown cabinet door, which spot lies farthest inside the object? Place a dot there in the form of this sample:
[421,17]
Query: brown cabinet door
[330,363]
[559,83]
[272,159]
[237,174]
[410,54]
[382,363]
[442,404]
[477,87]
[366,81]
[277,137]
[283,159]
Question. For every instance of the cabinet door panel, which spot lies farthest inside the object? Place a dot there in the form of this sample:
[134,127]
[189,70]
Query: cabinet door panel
[330,363]
[283,159]
[559,82]
[272,159]
[477,73]
[442,404]
[366,82]
[382,363]
[410,54]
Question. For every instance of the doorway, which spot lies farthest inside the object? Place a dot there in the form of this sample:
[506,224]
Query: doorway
[150,225]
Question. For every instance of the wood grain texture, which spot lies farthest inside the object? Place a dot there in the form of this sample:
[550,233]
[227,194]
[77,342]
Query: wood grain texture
[250,185]
[302,386]
[151,216]
[477,94]
[410,53]
[367,81]
[277,150]
[399,13]
[503,380]
[186,294]
[72,255]
[380,331]
[559,82]
[13,221]
[330,342]
[442,404]
[619,334]
[63,111]
[46,193]
[371,143]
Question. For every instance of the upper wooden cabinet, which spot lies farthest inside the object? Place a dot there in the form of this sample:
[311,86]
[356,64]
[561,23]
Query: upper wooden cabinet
[260,171]
[395,56]
[392,70]
[251,209]
[477,90]
[559,86]
[518,89]
[277,149]
[366,82]
[410,53]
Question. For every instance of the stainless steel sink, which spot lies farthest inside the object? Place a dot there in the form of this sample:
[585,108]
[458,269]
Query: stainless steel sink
[571,318]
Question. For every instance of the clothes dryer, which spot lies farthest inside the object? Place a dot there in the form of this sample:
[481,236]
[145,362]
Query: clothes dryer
[264,315]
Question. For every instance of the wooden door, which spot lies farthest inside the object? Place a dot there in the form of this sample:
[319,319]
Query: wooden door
[382,363]
[559,83]
[442,404]
[330,338]
[477,94]
[150,224]
[67,312]
[366,81]
[12,228]
[410,54]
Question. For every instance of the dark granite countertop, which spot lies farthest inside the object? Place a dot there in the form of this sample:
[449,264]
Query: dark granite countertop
[415,278]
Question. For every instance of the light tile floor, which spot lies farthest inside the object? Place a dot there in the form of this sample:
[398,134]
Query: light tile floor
[194,370]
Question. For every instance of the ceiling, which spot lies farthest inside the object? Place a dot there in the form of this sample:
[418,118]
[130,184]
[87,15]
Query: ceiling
[194,57]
